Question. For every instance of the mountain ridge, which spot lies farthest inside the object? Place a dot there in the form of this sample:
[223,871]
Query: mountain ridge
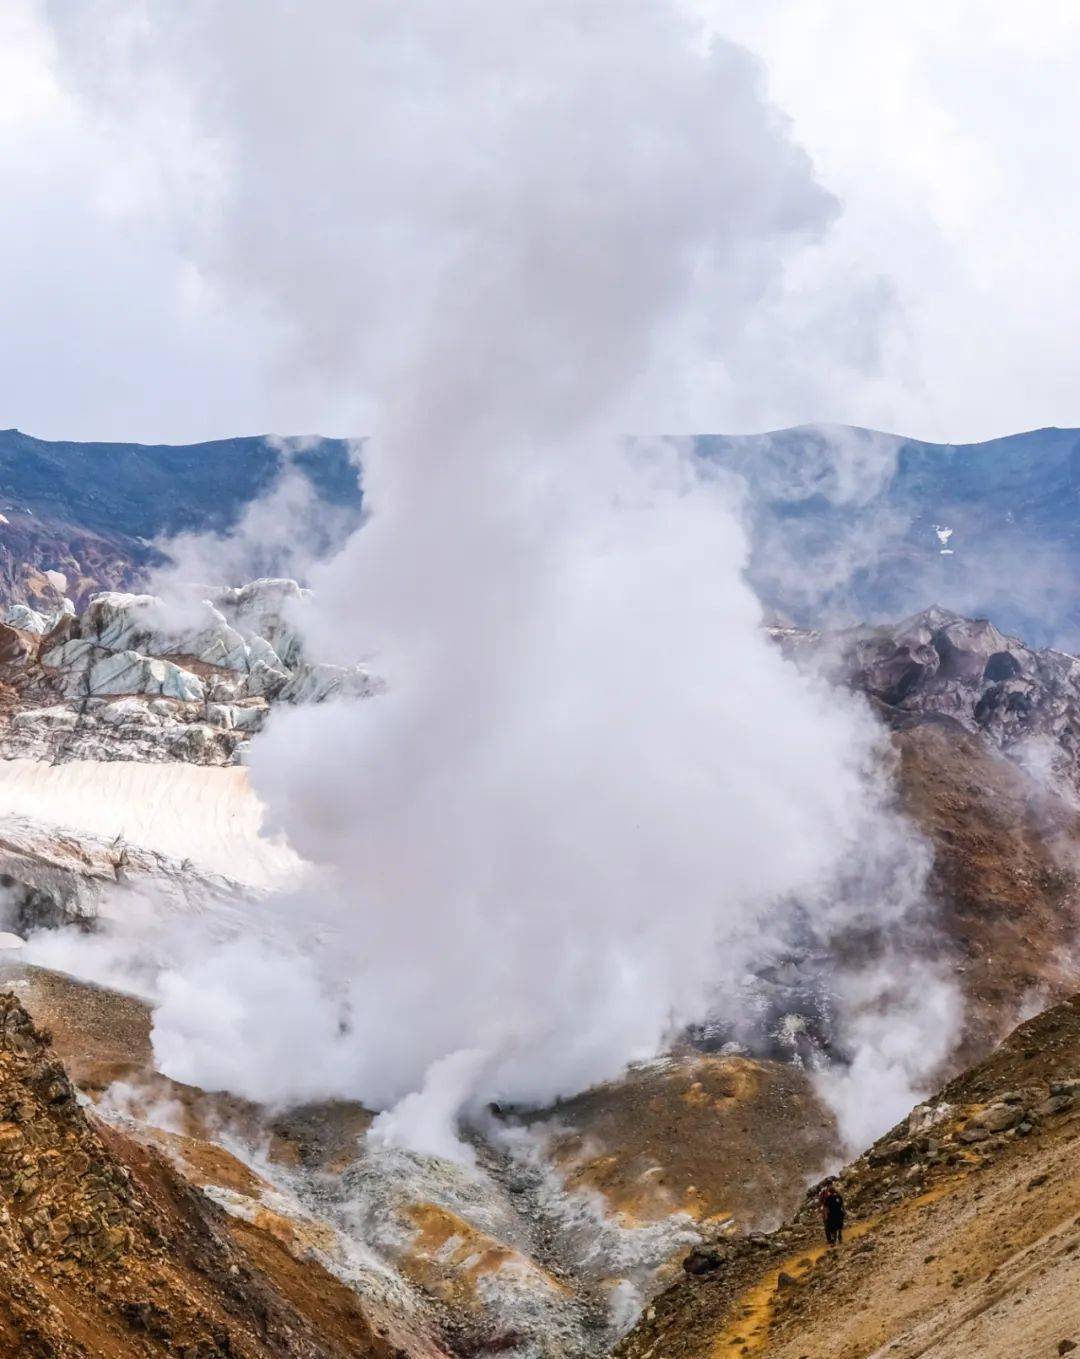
[845,523]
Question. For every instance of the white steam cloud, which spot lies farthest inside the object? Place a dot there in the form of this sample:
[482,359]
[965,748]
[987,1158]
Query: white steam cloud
[593,793]
[280,533]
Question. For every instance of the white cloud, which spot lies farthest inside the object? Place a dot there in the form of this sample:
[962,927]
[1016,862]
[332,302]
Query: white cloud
[948,132]
[942,303]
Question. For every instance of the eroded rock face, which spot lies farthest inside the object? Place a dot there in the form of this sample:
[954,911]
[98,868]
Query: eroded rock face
[938,664]
[16,647]
[133,679]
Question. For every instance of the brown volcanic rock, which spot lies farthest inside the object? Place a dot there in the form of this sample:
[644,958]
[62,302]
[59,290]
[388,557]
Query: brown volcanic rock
[987,733]
[1005,859]
[667,1138]
[724,1143]
[91,561]
[16,647]
[105,1250]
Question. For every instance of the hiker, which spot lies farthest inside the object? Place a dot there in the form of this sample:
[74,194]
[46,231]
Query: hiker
[832,1213]
[827,1185]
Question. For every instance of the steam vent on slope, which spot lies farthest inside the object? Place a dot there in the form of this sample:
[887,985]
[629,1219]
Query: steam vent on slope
[131,837]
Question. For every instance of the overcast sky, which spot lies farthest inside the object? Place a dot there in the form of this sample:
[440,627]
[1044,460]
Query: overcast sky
[942,301]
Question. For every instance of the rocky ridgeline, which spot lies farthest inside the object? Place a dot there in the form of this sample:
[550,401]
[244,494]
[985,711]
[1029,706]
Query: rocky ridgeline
[132,678]
[940,665]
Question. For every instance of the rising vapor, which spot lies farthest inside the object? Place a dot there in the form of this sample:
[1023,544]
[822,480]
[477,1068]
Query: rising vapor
[593,794]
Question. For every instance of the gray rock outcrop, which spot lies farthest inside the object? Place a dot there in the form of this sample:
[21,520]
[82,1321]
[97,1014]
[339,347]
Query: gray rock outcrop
[135,679]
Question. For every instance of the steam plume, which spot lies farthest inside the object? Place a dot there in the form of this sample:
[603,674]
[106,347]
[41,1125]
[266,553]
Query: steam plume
[593,791]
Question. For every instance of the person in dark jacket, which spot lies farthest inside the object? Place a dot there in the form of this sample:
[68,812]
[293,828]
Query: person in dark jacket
[833,1214]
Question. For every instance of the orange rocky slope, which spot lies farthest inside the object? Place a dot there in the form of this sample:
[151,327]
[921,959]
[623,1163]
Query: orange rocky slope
[963,1240]
[1006,852]
[105,1251]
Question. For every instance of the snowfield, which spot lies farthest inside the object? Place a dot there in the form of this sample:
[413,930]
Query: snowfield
[208,815]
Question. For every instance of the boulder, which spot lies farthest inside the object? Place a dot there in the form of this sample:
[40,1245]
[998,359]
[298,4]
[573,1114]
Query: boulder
[15,648]
[65,629]
[124,710]
[995,1118]
[72,661]
[966,647]
[890,670]
[701,1260]
[259,649]
[210,639]
[26,619]
[74,654]
[925,1116]
[128,672]
[143,623]
[222,691]
[315,683]
[263,609]
[891,1153]
[121,622]
[1056,1104]
[264,681]
[249,718]
[55,716]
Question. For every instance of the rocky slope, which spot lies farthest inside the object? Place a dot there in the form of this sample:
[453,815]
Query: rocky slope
[573,1217]
[545,1248]
[1024,702]
[987,736]
[105,1250]
[845,522]
[851,524]
[134,678]
[122,729]
[962,1236]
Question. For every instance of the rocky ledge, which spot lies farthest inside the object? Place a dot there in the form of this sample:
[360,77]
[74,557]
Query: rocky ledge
[937,665]
[134,678]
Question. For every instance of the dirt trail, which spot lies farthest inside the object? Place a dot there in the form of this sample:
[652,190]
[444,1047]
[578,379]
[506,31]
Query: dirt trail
[963,1240]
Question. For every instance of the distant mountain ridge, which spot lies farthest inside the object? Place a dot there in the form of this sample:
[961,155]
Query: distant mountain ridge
[849,525]
[846,524]
[93,511]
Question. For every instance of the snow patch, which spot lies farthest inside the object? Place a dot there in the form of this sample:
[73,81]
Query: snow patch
[207,815]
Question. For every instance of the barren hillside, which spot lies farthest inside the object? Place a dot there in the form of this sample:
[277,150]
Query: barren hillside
[106,1251]
[962,1236]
